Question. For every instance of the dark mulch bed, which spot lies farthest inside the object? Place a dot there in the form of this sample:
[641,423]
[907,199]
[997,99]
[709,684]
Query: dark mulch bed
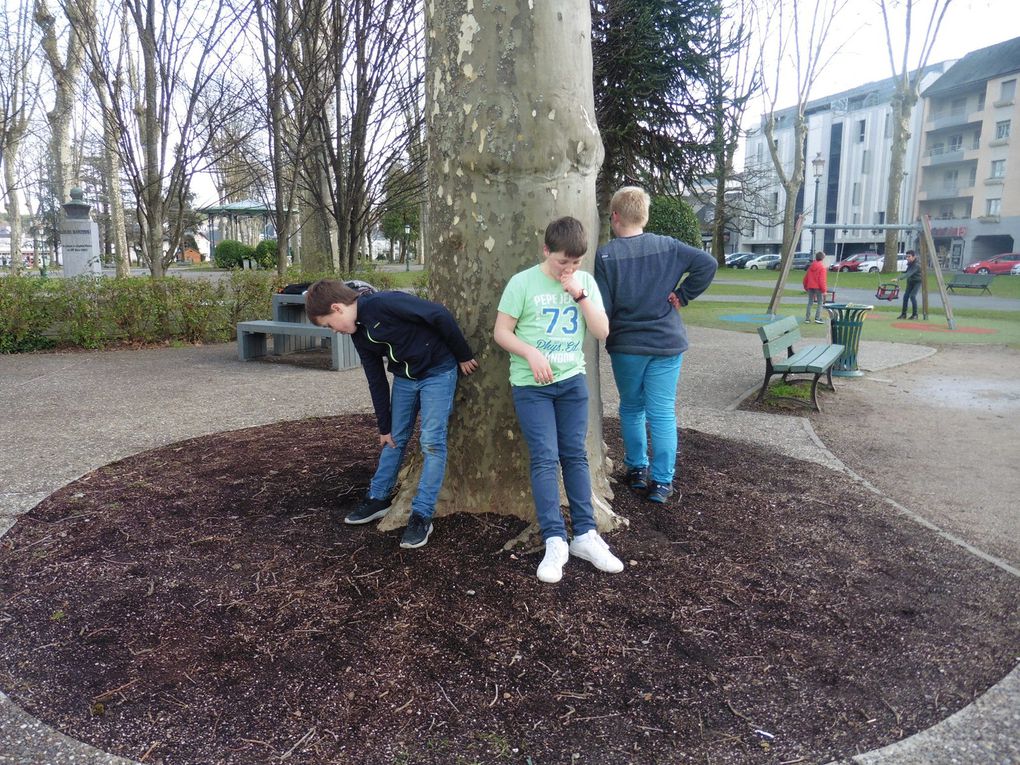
[201,604]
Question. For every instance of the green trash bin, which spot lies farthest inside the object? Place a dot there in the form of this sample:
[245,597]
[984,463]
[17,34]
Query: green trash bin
[846,321]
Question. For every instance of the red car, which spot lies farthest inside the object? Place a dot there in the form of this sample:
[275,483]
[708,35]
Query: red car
[856,262]
[1000,264]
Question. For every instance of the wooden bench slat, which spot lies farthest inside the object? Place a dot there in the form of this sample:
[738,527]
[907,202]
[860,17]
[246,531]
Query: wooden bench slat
[773,330]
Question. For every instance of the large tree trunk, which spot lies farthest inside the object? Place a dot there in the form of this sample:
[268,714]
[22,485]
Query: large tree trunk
[9,157]
[512,145]
[65,74]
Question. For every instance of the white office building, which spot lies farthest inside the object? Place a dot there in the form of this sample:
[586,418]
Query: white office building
[847,157]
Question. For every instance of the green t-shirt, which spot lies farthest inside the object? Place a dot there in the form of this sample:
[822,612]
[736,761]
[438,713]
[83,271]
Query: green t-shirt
[548,319]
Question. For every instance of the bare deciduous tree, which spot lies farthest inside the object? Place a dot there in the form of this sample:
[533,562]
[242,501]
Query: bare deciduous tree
[802,35]
[156,60]
[904,99]
[19,90]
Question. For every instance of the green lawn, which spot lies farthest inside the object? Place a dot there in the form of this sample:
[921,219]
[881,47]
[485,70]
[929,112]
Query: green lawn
[1005,325]
[1004,286]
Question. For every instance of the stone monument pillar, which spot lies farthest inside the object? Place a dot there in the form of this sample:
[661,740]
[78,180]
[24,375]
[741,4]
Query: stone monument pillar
[79,238]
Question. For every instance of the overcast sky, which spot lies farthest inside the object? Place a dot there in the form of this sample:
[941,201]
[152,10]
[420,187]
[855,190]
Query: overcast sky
[968,25]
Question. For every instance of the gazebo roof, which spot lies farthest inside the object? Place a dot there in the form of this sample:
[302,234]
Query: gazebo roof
[245,208]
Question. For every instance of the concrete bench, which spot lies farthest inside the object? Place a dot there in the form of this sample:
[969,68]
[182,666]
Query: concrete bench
[815,360]
[970,282]
[252,335]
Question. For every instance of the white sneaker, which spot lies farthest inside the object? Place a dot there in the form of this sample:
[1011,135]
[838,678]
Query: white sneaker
[594,549]
[556,554]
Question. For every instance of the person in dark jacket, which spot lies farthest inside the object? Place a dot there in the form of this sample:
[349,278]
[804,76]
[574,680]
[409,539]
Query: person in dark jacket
[424,349]
[639,277]
[913,277]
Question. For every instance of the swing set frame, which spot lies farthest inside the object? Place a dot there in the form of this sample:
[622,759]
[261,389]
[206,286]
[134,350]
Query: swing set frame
[927,245]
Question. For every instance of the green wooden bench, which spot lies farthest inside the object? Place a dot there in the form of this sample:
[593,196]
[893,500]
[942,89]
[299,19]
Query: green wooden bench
[252,335]
[970,282]
[817,360]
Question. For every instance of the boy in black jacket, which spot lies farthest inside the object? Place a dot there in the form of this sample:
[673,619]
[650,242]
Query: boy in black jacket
[425,347]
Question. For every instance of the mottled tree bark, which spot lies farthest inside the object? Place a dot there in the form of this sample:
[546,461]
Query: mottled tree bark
[512,145]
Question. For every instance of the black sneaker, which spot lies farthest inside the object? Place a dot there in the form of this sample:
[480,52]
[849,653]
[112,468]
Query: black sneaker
[637,478]
[660,492]
[369,510]
[417,532]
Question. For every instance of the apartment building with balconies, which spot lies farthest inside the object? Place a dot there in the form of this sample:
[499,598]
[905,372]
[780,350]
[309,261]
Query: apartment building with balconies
[847,156]
[968,176]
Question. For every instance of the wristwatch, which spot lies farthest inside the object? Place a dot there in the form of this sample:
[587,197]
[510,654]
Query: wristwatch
[581,296]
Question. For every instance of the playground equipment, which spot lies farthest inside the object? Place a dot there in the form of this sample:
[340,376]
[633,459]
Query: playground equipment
[928,259]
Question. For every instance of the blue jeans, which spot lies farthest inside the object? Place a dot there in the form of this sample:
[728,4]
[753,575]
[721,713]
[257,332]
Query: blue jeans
[647,386]
[554,421]
[433,397]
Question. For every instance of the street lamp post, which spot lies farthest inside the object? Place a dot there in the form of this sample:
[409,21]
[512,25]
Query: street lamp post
[407,251]
[817,165]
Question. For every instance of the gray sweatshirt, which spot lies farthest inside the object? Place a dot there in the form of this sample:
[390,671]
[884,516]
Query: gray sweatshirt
[635,275]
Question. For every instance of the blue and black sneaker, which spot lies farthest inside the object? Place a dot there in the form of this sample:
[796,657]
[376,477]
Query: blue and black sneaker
[637,479]
[369,509]
[417,532]
[660,492]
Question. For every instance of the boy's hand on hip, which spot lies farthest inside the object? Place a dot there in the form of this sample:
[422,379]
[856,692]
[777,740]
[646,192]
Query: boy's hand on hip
[674,300]
[467,367]
[386,439]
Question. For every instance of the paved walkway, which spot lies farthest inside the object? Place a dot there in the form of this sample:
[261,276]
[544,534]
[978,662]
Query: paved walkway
[64,415]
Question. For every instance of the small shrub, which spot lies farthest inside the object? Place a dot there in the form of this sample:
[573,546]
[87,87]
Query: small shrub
[231,253]
[26,314]
[265,253]
[672,216]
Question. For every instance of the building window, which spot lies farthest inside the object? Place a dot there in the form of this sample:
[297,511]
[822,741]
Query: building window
[973,176]
[887,132]
[865,162]
[981,101]
[992,206]
[775,201]
[998,168]
[880,217]
[937,149]
[950,177]
[955,142]
[1008,90]
[860,131]
[946,213]
[1001,130]
[856,197]
[958,106]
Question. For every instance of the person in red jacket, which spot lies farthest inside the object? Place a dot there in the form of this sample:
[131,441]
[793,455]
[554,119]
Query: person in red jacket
[814,283]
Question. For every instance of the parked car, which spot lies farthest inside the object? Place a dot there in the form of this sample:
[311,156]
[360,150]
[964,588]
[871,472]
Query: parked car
[761,261]
[874,265]
[1015,270]
[850,263]
[1000,264]
[738,259]
[801,260]
[866,262]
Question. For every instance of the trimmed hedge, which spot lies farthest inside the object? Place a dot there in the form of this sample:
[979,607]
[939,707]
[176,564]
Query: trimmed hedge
[231,253]
[86,312]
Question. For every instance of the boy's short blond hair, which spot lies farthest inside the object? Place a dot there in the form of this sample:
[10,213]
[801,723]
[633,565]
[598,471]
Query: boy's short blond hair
[631,204]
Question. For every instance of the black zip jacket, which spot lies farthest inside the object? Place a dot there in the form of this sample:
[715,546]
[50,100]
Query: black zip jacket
[417,337]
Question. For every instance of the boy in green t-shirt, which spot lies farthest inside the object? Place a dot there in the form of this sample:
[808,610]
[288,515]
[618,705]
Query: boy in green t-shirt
[541,320]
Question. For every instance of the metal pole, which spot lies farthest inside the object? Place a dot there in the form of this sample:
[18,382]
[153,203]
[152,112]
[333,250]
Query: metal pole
[814,219]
